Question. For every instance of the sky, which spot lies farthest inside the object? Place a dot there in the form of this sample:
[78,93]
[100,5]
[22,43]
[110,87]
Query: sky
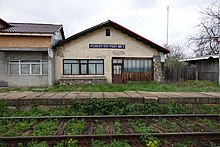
[147,18]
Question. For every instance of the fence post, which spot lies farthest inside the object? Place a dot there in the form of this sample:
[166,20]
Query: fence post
[196,74]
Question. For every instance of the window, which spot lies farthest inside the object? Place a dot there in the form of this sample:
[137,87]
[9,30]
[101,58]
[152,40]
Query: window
[83,67]
[14,67]
[107,32]
[117,61]
[28,67]
[137,65]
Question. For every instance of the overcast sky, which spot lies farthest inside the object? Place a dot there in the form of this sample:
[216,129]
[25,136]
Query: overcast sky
[145,17]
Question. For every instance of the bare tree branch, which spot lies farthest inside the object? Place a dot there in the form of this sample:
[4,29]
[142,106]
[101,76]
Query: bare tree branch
[204,43]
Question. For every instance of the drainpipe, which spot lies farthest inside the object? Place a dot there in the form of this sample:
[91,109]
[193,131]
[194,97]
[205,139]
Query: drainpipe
[50,66]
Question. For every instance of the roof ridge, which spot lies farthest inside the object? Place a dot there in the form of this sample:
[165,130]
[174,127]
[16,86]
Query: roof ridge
[11,23]
[120,28]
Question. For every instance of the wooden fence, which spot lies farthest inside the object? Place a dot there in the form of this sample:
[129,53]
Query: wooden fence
[179,74]
[136,76]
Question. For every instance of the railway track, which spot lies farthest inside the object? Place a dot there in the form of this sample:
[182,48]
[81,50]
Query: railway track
[84,129]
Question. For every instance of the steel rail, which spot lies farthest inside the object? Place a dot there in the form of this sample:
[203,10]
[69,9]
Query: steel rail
[118,116]
[201,136]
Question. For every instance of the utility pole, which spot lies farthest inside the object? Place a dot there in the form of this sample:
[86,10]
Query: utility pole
[167,24]
[219,58]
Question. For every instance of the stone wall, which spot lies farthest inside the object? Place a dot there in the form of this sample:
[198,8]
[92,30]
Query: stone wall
[72,81]
[158,74]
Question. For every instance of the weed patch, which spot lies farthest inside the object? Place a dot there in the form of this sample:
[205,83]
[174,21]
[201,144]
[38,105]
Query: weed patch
[188,86]
[75,127]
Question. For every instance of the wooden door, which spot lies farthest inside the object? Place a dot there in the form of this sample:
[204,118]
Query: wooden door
[117,71]
[117,74]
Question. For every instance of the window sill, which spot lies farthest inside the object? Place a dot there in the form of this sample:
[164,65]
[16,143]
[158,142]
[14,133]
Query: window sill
[28,75]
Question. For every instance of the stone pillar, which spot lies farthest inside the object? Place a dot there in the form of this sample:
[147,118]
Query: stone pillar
[158,76]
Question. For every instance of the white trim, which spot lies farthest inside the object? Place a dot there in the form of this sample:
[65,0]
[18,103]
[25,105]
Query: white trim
[24,49]
[28,34]
[200,58]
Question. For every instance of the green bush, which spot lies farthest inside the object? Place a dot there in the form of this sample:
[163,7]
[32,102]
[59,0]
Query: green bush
[3,109]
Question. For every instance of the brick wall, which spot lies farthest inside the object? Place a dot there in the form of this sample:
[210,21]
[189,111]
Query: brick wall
[25,41]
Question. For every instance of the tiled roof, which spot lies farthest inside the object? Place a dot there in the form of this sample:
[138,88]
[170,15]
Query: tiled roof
[31,28]
[118,27]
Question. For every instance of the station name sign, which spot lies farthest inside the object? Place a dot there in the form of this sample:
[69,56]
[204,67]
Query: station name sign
[109,46]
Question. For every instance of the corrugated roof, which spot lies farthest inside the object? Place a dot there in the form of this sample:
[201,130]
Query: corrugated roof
[31,28]
[199,58]
[118,27]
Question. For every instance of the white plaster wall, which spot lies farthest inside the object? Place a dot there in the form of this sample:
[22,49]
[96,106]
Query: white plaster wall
[56,37]
[79,49]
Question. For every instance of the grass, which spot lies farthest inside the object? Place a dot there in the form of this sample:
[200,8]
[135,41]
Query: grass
[20,127]
[167,125]
[75,127]
[117,125]
[210,124]
[114,143]
[188,86]
[183,143]
[99,128]
[141,126]
[113,107]
[45,128]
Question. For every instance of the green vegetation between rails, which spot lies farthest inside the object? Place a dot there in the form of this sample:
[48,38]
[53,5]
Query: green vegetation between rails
[117,125]
[99,127]
[190,125]
[150,141]
[75,127]
[141,126]
[210,124]
[183,143]
[63,143]
[20,127]
[167,125]
[188,86]
[45,128]
[114,143]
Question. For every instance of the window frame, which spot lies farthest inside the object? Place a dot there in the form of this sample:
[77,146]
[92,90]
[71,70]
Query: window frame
[30,63]
[133,61]
[107,32]
[84,62]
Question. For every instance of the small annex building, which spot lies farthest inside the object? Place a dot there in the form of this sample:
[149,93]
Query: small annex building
[26,53]
[108,53]
[207,66]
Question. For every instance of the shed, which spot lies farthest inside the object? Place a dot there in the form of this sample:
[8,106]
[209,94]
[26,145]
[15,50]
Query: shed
[207,66]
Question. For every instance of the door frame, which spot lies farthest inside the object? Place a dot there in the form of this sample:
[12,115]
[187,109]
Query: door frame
[122,67]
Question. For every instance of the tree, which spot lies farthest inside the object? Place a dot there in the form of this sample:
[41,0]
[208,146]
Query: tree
[204,42]
[176,53]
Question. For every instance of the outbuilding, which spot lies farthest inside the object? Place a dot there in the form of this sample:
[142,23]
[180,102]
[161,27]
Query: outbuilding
[207,66]
[26,54]
[108,53]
